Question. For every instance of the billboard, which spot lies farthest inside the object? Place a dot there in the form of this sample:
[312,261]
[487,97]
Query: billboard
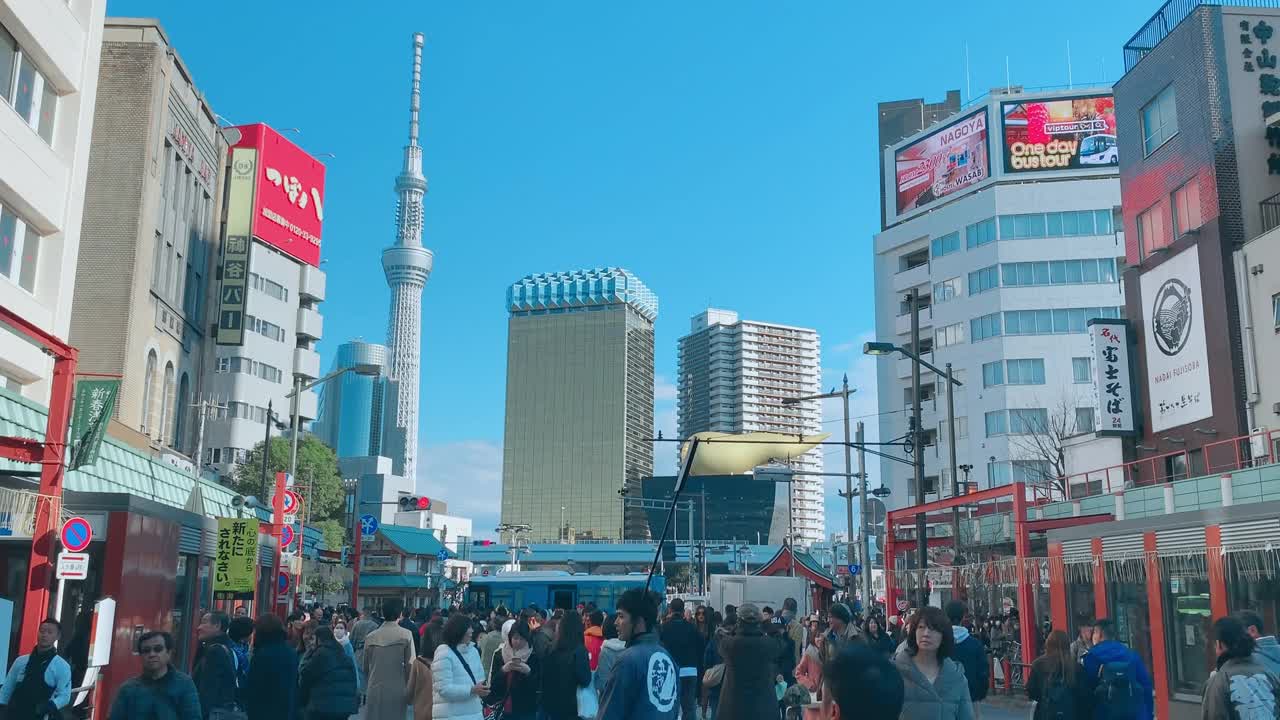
[1177,358]
[235,249]
[288,201]
[1112,377]
[1059,133]
[944,162]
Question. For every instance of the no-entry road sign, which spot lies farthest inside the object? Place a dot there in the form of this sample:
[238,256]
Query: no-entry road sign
[76,534]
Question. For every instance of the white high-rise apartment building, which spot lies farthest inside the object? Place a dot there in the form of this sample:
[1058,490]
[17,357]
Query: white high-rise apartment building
[734,376]
[1010,262]
[49,53]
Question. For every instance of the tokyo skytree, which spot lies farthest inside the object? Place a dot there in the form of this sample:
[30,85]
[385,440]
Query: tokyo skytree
[407,265]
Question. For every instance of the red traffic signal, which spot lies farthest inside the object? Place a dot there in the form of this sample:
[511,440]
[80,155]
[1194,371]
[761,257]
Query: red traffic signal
[481,543]
[414,503]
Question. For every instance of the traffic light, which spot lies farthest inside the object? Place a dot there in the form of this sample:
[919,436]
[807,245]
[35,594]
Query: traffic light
[481,543]
[414,503]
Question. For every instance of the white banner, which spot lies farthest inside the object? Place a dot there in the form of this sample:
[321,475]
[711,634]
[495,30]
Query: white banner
[1112,379]
[1177,359]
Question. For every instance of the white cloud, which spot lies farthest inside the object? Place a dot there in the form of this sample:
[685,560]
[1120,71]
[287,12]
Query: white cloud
[663,390]
[467,475]
[863,405]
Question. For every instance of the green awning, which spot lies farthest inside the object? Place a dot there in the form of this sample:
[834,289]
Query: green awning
[393,582]
[412,541]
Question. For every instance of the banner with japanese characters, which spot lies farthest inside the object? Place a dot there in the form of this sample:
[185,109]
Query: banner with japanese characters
[1176,354]
[1112,377]
[235,560]
[95,401]
[235,251]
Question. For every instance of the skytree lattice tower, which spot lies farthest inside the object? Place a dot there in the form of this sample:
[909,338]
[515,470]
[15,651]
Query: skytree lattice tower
[407,265]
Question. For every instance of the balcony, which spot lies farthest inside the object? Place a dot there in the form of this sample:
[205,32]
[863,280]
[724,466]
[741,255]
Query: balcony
[311,283]
[306,363]
[913,277]
[1270,213]
[903,322]
[310,323]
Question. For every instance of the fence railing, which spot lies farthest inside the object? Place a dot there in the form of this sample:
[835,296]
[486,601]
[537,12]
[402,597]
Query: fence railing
[1270,209]
[1213,458]
[1167,18]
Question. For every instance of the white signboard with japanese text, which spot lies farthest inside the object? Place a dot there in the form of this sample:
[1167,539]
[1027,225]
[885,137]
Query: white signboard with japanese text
[1112,377]
[1177,358]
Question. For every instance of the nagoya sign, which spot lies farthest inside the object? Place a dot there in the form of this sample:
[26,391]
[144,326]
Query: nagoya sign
[1060,134]
[942,163]
[235,561]
[288,202]
[1176,353]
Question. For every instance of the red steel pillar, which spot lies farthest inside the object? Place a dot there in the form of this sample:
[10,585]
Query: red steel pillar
[1026,593]
[277,523]
[1058,589]
[1100,609]
[1155,620]
[48,507]
[1216,565]
[890,577]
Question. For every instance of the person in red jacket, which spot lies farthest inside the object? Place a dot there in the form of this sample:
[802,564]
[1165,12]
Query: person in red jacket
[593,636]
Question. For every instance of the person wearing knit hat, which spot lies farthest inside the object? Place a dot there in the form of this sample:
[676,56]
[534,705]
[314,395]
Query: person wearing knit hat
[750,613]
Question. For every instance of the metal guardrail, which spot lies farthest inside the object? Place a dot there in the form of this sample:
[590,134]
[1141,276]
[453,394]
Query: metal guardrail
[1168,17]
[1270,209]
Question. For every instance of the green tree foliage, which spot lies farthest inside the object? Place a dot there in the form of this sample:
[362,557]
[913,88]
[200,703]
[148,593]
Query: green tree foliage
[317,467]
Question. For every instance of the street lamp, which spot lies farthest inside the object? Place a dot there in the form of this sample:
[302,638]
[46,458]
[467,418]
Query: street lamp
[295,396]
[917,445]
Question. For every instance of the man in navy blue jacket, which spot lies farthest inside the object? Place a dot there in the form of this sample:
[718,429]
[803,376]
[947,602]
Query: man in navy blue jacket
[645,684]
[1110,655]
[969,652]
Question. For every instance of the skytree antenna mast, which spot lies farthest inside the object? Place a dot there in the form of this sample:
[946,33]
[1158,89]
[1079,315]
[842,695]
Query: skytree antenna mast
[407,265]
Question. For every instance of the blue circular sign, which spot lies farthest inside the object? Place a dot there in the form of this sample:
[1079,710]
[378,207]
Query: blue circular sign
[282,582]
[442,555]
[286,537]
[368,525]
[76,534]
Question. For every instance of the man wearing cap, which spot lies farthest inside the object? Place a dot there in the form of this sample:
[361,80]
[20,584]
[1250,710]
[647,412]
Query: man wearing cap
[842,632]
[750,668]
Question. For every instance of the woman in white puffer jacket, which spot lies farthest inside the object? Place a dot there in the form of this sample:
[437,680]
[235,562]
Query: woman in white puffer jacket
[457,676]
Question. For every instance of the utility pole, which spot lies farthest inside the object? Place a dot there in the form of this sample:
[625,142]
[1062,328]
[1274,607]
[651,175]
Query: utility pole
[295,425]
[203,407]
[955,480]
[848,482]
[693,577]
[868,598]
[266,457]
[704,539]
[917,438]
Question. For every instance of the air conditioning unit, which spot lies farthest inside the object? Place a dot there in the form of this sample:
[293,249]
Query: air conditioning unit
[1259,440]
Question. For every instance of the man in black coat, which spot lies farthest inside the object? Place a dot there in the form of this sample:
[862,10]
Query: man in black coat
[686,646]
[969,652]
[215,664]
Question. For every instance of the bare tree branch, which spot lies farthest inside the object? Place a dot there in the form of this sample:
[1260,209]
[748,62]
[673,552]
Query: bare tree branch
[1041,453]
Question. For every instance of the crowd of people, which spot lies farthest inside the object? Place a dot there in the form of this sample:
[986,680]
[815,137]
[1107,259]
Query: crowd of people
[745,663]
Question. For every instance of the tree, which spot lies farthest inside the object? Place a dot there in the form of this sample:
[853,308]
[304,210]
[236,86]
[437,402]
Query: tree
[317,467]
[1040,451]
[321,585]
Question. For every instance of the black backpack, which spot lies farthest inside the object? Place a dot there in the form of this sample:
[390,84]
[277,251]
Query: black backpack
[1059,701]
[1117,695]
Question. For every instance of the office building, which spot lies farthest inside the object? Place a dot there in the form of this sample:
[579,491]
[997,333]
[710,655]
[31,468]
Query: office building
[900,119]
[351,405]
[267,322]
[49,54]
[736,375]
[747,508]
[407,265]
[579,412]
[153,191]
[1011,241]
[1200,178]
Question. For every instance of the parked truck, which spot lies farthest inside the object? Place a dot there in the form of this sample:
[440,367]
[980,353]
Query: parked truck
[771,591]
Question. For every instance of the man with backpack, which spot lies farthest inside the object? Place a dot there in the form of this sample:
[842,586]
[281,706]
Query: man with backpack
[1121,684]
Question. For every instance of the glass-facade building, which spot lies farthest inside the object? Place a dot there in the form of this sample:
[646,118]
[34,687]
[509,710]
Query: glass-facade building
[350,419]
[579,410]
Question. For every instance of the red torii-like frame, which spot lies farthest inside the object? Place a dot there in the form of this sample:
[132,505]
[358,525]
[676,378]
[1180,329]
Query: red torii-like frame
[51,455]
[1021,546]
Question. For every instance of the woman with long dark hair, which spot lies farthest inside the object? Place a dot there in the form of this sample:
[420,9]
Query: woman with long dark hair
[567,668]
[878,639]
[457,675]
[935,684]
[1241,687]
[327,681]
[271,690]
[1056,682]
[514,673]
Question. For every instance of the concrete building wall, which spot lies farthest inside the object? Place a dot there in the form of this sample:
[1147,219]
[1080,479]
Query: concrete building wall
[151,201]
[1257,270]
[44,159]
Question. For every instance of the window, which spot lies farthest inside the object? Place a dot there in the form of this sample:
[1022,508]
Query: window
[950,335]
[992,374]
[1027,421]
[274,289]
[1159,120]
[987,326]
[997,423]
[980,233]
[962,429]
[19,250]
[1029,471]
[1084,420]
[1082,369]
[166,404]
[24,87]
[264,328]
[913,260]
[1057,321]
[1275,311]
[1069,223]
[1028,371]
[148,380]
[1151,232]
[946,244]
[184,400]
[1186,208]
[948,289]
[988,278]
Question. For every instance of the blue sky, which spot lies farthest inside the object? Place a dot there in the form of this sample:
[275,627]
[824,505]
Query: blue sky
[724,151]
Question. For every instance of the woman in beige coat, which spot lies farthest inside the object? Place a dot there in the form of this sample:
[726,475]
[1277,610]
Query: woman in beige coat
[420,675]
